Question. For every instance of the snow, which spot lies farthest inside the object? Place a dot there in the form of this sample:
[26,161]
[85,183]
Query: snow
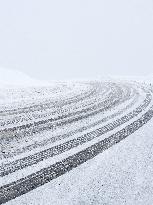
[13,77]
[141,79]
[120,175]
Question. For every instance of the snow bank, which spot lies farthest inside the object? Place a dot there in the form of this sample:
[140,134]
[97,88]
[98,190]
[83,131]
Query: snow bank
[16,78]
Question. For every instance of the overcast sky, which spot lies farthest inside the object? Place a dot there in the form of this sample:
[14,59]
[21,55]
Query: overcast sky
[65,39]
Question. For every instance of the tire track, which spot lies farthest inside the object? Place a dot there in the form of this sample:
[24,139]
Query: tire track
[7,135]
[58,111]
[50,104]
[59,137]
[56,150]
[24,185]
[5,139]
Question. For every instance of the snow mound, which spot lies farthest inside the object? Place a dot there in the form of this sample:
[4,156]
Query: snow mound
[16,78]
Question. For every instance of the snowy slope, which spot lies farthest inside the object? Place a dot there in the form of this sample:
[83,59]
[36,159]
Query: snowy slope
[12,77]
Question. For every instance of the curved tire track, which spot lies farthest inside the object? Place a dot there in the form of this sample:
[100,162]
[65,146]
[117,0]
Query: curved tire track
[24,185]
[32,181]
[56,150]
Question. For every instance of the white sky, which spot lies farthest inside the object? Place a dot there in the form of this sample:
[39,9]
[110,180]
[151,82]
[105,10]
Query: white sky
[64,39]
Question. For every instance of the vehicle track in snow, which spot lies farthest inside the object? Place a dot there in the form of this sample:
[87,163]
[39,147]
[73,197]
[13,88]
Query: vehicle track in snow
[7,135]
[33,159]
[133,119]
[71,133]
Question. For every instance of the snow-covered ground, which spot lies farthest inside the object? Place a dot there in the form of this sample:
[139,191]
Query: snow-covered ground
[15,78]
[120,175]
[78,142]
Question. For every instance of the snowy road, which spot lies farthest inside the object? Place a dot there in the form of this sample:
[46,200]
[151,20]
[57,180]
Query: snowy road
[46,132]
